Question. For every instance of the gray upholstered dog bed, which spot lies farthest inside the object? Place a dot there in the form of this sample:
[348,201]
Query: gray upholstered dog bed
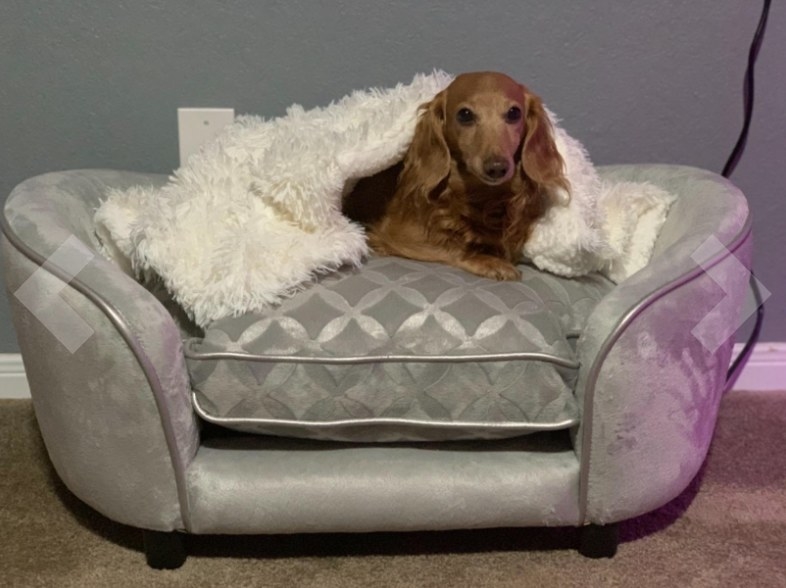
[115,405]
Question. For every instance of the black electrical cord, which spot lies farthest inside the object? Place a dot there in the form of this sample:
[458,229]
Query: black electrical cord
[753,54]
[728,169]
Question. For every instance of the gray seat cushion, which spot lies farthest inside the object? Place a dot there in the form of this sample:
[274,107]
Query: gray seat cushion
[400,350]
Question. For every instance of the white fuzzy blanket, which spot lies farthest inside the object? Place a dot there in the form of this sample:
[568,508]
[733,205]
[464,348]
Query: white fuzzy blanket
[256,214]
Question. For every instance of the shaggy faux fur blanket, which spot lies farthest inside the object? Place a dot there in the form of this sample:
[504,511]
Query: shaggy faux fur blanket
[256,214]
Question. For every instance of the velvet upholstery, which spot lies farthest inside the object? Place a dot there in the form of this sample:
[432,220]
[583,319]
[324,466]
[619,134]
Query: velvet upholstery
[296,486]
[96,410]
[117,419]
[46,212]
[649,388]
[400,350]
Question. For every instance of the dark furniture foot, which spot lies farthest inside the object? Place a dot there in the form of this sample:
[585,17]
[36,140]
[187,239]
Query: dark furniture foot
[164,551]
[597,541]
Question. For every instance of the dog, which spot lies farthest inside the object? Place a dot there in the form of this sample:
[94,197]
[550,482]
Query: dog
[481,169]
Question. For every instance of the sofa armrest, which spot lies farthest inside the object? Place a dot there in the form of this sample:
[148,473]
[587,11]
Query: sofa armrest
[655,350]
[103,357]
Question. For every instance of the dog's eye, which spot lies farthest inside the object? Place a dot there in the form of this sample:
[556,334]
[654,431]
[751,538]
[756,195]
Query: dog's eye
[465,116]
[513,115]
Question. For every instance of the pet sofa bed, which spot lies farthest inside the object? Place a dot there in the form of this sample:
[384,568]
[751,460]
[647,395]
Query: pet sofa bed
[549,402]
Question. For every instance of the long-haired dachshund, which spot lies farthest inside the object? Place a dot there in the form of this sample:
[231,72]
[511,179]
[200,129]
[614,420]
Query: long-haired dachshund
[481,169]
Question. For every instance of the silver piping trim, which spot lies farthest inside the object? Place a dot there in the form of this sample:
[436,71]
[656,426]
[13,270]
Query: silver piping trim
[119,322]
[490,357]
[532,427]
[615,334]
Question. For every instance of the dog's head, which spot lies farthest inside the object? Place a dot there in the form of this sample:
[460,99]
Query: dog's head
[490,129]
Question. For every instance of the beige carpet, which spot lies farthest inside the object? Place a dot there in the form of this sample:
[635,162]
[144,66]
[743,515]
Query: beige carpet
[727,529]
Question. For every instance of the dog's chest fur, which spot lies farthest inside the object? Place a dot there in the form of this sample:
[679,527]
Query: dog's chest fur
[479,217]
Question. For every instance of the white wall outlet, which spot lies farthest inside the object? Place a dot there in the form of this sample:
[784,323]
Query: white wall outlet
[197,126]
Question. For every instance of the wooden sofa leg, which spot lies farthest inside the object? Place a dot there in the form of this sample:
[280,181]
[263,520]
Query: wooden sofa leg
[164,551]
[598,541]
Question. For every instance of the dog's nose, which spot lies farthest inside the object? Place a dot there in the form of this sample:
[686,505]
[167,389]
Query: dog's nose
[495,168]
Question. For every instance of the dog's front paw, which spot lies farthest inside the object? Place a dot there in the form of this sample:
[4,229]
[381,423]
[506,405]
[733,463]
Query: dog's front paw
[504,271]
[491,267]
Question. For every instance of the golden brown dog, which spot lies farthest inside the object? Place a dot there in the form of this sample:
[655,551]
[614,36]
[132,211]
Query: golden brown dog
[481,169]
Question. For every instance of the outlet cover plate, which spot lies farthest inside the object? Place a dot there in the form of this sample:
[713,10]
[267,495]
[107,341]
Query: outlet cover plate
[197,126]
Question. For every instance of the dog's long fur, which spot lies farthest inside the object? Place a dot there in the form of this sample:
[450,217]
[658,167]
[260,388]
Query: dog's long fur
[481,169]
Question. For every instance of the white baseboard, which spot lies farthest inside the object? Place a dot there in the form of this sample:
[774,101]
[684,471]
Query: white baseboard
[13,382]
[765,371]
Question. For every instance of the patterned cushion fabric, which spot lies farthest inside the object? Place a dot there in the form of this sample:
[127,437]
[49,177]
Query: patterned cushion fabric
[400,350]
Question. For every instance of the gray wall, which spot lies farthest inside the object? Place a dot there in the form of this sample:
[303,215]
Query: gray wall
[89,83]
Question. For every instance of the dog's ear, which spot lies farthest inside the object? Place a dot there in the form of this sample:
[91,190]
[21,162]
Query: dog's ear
[427,161]
[540,159]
